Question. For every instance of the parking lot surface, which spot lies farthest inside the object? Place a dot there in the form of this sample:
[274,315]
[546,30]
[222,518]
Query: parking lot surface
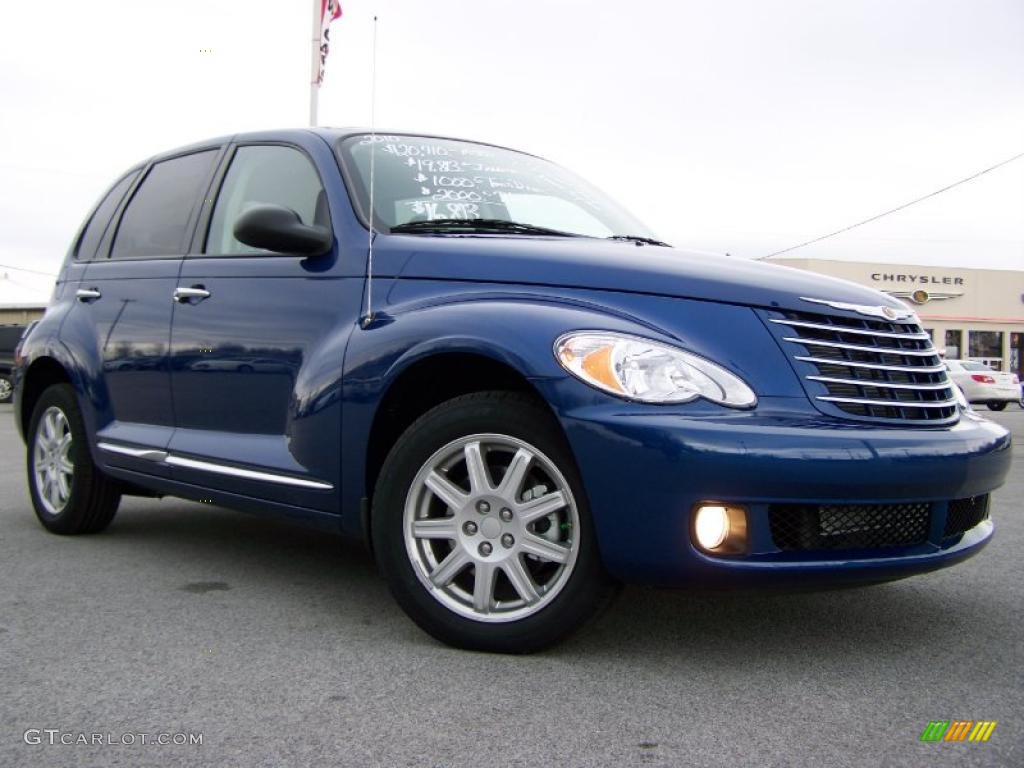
[281,646]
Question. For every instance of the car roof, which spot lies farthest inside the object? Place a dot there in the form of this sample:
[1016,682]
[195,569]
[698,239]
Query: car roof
[330,135]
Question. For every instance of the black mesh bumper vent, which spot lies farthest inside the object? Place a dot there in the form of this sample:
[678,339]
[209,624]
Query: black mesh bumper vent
[964,514]
[804,528]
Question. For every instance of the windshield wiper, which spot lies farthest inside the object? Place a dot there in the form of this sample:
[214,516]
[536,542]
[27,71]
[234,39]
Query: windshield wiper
[484,226]
[640,240]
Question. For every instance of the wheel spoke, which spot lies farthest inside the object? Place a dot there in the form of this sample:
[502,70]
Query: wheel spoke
[483,587]
[479,481]
[50,489]
[50,427]
[437,528]
[542,507]
[65,465]
[520,578]
[63,488]
[449,568]
[446,490]
[544,549]
[515,474]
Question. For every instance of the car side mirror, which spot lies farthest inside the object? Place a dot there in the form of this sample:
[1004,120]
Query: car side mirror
[280,229]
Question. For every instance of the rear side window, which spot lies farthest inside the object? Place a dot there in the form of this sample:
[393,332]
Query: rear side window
[100,218]
[265,174]
[154,222]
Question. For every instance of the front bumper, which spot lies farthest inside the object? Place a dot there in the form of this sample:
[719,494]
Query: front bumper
[644,469]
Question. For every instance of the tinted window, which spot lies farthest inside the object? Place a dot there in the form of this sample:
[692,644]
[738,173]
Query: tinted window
[101,217]
[265,174]
[154,222]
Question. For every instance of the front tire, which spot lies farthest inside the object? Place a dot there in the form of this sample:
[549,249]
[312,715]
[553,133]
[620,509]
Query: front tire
[997,405]
[482,527]
[69,493]
[6,389]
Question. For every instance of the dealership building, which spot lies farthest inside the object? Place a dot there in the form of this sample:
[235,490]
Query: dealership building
[975,314]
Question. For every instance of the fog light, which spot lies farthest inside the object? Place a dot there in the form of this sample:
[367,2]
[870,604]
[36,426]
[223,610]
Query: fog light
[711,526]
[720,529]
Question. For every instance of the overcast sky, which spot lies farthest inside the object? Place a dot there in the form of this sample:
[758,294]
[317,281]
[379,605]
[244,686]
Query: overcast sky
[740,126]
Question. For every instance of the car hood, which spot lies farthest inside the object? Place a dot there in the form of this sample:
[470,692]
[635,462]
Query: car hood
[614,266]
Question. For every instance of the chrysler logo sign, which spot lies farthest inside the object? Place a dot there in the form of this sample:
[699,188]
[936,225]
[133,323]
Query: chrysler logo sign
[921,296]
[893,277]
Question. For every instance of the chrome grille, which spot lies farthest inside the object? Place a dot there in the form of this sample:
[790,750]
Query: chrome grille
[871,369]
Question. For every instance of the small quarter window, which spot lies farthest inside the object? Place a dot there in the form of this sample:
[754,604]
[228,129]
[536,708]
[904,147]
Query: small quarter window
[100,219]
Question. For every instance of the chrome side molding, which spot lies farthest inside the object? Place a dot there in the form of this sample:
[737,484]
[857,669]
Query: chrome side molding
[162,457]
[150,454]
[248,474]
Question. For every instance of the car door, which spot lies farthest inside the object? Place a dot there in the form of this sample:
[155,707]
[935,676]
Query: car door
[257,341]
[68,301]
[124,306]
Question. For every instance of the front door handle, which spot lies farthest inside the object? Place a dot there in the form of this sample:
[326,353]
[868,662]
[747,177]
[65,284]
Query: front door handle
[88,294]
[195,292]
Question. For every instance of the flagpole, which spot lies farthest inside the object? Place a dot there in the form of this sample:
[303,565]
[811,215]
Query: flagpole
[314,70]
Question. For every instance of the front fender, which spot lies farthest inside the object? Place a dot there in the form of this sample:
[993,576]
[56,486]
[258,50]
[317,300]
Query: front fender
[517,326]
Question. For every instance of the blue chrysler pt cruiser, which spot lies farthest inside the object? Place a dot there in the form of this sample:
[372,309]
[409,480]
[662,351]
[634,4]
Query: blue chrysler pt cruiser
[495,376]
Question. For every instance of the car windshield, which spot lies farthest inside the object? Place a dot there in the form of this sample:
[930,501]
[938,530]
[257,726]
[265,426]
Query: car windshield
[432,186]
[973,366]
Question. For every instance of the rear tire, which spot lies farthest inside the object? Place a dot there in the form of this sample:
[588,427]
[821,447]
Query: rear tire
[997,405]
[482,528]
[6,389]
[69,493]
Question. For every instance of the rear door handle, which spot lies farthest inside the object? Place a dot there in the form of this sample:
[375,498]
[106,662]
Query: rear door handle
[88,294]
[182,294]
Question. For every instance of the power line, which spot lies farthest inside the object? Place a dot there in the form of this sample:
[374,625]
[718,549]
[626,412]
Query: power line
[893,210]
[30,271]
[18,283]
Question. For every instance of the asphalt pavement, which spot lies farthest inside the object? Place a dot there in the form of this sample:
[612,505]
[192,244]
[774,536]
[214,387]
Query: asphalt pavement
[281,646]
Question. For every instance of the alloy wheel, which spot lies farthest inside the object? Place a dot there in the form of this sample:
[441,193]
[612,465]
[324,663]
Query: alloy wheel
[491,528]
[53,468]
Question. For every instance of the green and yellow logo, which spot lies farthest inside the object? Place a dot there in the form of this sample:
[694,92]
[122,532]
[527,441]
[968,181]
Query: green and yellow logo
[958,730]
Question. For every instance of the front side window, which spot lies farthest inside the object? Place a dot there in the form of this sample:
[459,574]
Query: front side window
[270,175]
[98,222]
[419,180]
[154,222]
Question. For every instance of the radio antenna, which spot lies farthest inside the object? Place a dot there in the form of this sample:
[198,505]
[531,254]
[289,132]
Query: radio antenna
[373,173]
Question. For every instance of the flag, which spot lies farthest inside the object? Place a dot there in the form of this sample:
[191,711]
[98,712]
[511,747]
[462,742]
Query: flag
[329,11]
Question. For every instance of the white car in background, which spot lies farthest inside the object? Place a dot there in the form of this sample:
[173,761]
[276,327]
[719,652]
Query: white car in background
[980,384]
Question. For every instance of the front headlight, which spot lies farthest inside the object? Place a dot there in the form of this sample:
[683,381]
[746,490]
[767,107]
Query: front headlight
[648,371]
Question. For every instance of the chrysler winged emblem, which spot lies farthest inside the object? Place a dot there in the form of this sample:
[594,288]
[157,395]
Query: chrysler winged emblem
[921,296]
[885,313]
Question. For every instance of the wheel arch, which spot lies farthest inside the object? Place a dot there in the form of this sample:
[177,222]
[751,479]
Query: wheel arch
[423,382]
[43,372]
